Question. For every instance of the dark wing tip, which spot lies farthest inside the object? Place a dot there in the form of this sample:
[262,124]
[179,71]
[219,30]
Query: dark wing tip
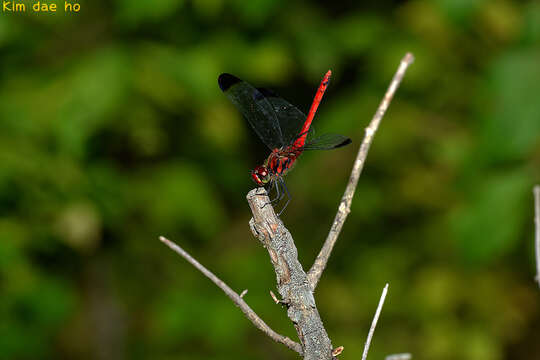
[225,81]
[347,141]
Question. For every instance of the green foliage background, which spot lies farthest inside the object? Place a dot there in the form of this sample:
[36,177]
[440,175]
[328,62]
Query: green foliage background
[113,131]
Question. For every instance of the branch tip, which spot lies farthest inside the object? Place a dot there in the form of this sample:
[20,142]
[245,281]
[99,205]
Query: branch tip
[409,58]
[274,297]
[337,350]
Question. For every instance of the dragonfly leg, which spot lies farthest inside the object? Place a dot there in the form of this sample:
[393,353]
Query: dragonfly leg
[280,194]
[286,191]
[278,197]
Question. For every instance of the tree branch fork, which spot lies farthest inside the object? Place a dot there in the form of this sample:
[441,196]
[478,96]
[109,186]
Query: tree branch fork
[295,285]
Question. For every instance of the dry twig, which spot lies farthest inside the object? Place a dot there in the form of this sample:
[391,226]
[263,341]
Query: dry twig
[344,209]
[237,299]
[536,191]
[374,322]
[292,282]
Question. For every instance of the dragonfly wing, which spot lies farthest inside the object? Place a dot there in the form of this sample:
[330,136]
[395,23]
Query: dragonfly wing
[255,107]
[327,142]
[290,118]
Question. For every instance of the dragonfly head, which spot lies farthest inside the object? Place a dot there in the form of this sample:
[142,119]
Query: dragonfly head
[260,175]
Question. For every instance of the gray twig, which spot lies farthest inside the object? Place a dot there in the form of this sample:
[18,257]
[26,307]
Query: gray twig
[237,299]
[292,281]
[536,191]
[344,209]
[374,322]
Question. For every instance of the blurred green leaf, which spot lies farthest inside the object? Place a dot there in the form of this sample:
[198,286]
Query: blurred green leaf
[459,10]
[532,22]
[255,12]
[134,13]
[509,116]
[178,195]
[485,229]
[87,105]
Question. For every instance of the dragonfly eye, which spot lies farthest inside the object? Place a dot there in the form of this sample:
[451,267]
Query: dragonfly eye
[260,175]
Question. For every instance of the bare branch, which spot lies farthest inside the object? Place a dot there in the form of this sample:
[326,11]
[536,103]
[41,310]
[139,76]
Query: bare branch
[536,191]
[292,281]
[344,209]
[237,299]
[374,322]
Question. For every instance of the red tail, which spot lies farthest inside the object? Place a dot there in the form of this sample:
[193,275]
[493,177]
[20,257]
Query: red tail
[316,101]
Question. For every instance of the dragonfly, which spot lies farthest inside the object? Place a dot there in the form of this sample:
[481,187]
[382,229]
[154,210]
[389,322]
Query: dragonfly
[284,129]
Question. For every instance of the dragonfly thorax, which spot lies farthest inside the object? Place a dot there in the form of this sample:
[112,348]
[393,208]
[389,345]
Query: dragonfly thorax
[276,165]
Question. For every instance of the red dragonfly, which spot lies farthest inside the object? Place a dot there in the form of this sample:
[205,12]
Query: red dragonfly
[281,126]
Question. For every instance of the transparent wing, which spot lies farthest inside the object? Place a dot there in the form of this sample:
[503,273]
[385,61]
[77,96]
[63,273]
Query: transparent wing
[327,142]
[255,107]
[290,118]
